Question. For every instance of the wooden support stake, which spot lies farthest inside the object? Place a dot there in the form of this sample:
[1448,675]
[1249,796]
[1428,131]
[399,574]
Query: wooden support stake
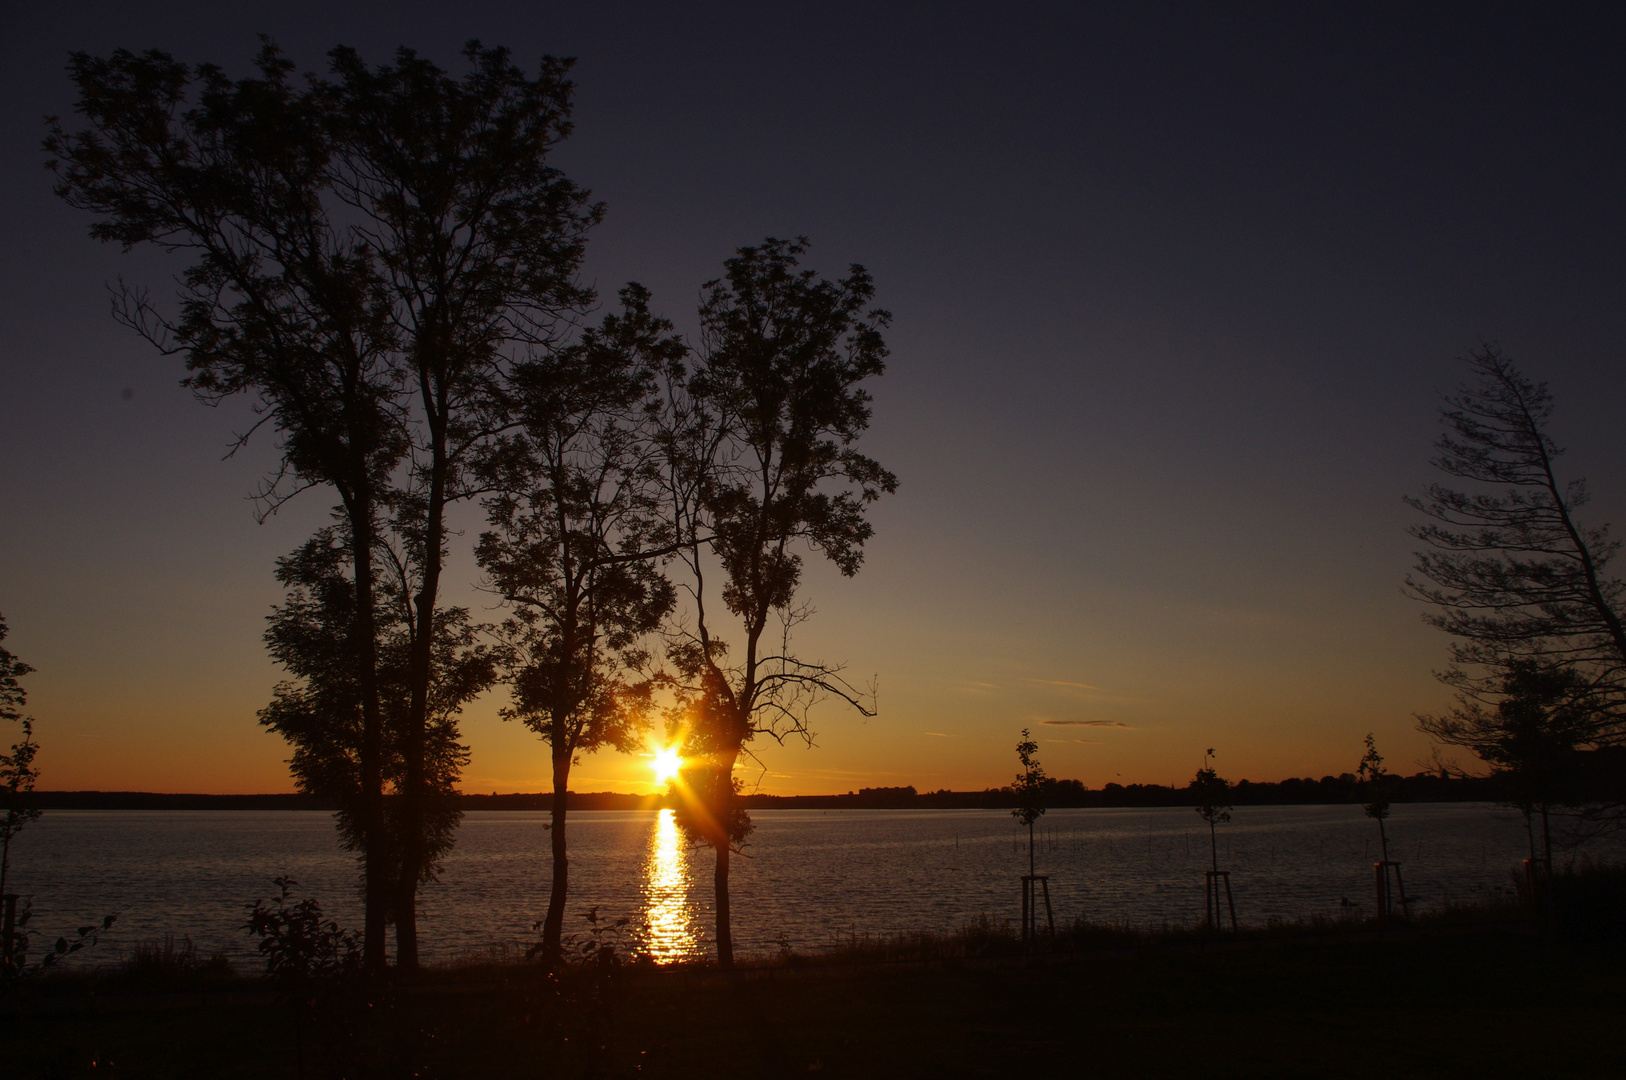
[1031,885]
[8,929]
[1211,898]
[1387,892]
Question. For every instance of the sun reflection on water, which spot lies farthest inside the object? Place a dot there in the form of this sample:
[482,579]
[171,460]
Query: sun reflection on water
[672,932]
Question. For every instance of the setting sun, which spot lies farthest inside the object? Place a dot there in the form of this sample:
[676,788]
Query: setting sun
[666,764]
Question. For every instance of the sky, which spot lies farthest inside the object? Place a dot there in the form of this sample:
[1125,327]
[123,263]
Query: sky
[1176,290]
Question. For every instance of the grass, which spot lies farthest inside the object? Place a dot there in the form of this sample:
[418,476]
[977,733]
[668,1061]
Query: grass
[1455,997]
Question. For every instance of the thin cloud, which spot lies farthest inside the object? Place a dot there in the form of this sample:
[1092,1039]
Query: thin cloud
[1084,723]
[1068,683]
[941,735]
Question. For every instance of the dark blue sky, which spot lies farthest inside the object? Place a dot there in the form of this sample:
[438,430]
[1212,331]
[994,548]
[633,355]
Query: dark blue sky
[1175,290]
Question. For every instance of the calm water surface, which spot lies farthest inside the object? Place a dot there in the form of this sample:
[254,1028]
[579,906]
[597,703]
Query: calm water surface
[813,878]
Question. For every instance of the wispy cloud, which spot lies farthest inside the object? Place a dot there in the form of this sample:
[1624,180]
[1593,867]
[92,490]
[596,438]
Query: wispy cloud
[941,735]
[1068,683]
[1083,723]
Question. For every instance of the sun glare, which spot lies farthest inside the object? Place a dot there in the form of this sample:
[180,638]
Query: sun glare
[666,764]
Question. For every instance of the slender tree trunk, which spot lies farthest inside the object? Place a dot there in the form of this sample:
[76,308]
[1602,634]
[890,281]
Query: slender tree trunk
[1213,845]
[725,931]
[1546,843]
[416,795]
[721,843]
[553,925]
[376,873]
[1383,838]
[1031,871]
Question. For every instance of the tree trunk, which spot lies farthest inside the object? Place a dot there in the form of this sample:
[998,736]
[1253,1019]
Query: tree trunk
[1546,843]
[376,883]
[1213,845]
[1383,838]
[553,925]
[415,794]
[725,932]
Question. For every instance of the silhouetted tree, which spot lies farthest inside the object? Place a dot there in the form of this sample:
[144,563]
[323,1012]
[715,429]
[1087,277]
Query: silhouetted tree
[278,302]
[1521,584]
[479,239]
[763,466]
[1213,794]
[571,548]
[1374,790]
[319,710]
[1029,789]
[1511,573]
[368,249]
[1530,737]
[17,772]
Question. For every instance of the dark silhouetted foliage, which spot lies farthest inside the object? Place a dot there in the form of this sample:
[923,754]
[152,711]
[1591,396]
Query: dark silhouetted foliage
[367,251]
[572,547]
[17,772]
[1538,656]
[1213,794]
[762,466]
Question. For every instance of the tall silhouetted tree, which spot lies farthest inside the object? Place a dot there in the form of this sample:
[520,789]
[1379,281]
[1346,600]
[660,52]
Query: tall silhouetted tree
[573,548]
[764,467]
[367,251]
[17,772]
[1029,790]
[278,301]
[1520,583]
[479,239]
[1213,793]
[1510,571]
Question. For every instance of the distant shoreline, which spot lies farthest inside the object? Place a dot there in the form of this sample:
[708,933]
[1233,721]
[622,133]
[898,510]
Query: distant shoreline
[1423,787]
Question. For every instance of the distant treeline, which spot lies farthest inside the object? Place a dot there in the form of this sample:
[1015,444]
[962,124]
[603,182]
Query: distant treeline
[1422,787]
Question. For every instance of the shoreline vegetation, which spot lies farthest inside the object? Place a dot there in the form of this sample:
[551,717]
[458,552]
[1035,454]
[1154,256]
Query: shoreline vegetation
[1060,794]
[1128,1000]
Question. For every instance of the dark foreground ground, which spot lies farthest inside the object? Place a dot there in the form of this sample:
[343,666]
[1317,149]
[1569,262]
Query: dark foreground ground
[1481,1003]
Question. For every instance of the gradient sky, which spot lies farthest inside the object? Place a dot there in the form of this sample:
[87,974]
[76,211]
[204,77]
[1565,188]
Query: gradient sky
[1176,292]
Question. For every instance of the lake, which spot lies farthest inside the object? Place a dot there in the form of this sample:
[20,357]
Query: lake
[812,879]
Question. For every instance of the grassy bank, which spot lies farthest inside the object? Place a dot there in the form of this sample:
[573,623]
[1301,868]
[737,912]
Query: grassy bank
[1479,999]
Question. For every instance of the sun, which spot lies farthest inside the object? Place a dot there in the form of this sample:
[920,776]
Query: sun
[666,764]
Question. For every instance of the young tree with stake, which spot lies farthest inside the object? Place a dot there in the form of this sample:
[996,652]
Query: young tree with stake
[1374,789]
[1211,790]
[1029,790]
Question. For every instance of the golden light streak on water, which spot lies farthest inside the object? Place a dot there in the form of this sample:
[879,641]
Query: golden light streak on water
[672,931]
